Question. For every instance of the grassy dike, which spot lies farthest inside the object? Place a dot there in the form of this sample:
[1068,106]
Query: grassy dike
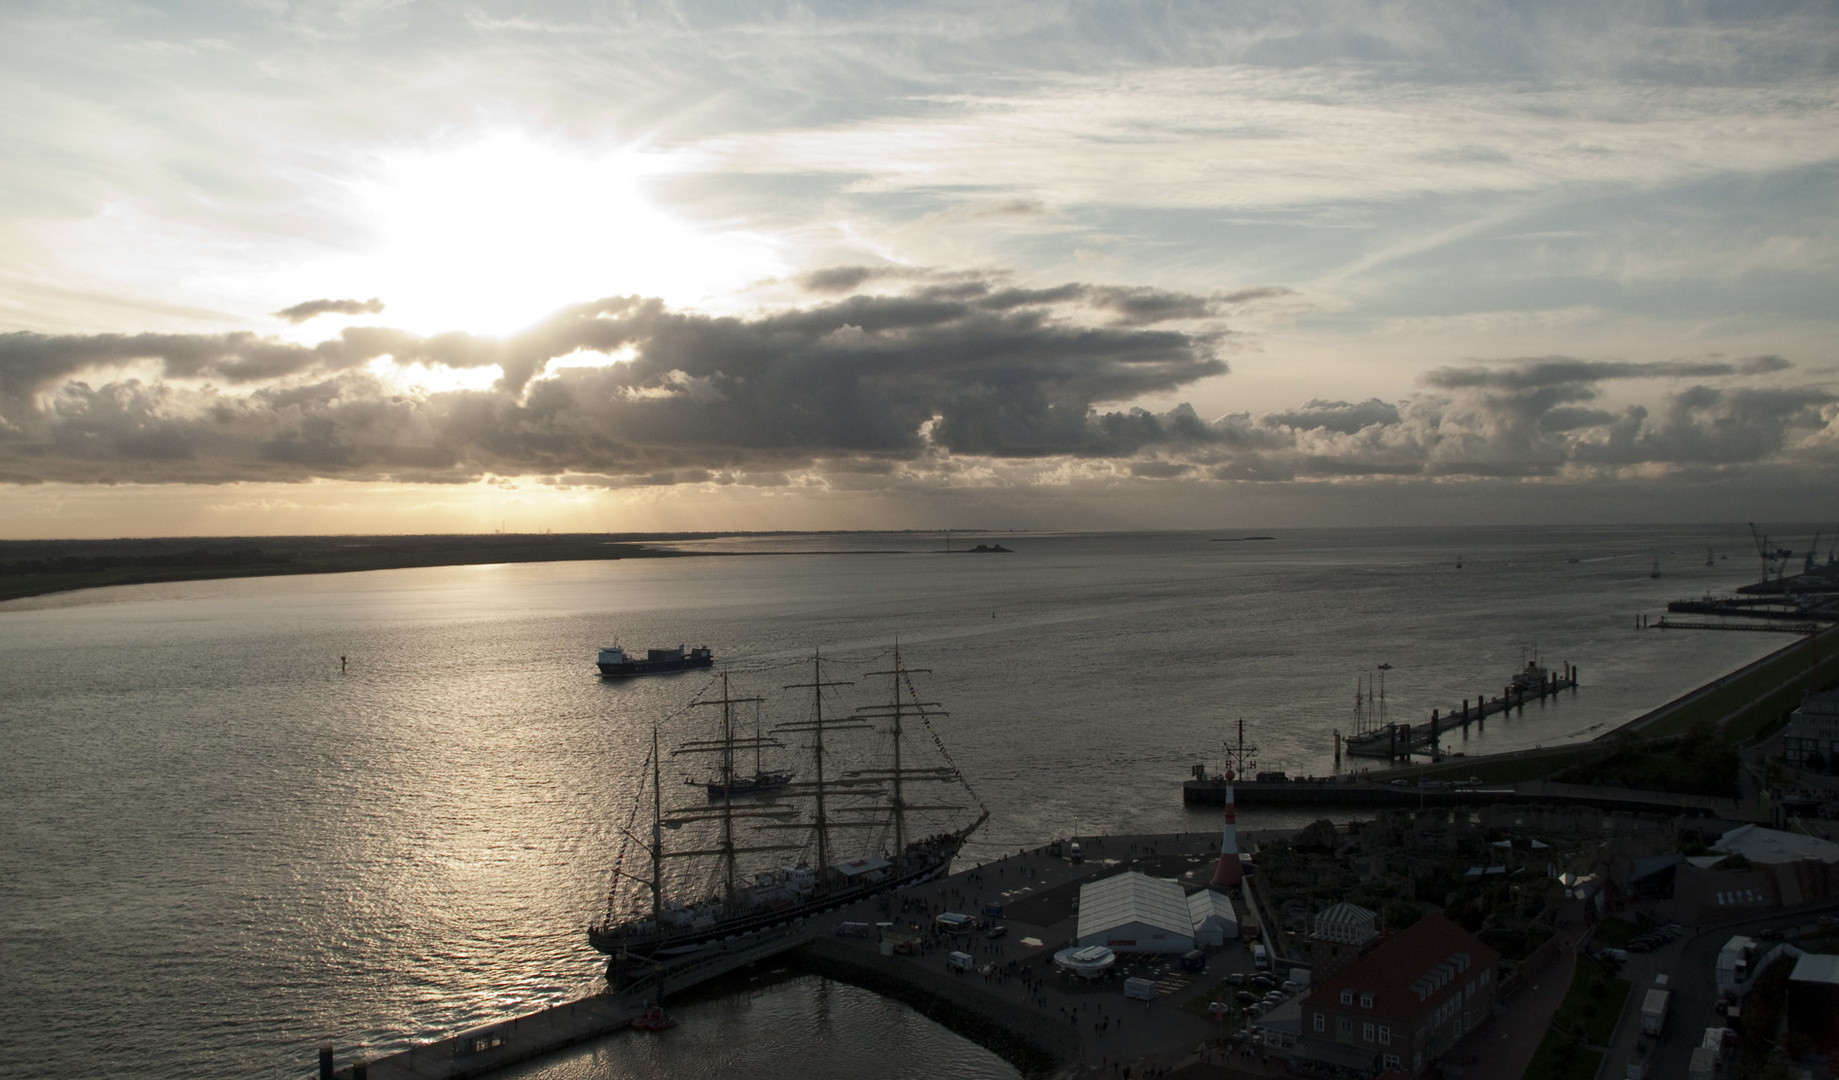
[1743,706]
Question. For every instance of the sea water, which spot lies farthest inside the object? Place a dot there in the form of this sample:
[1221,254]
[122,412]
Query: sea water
[242,818]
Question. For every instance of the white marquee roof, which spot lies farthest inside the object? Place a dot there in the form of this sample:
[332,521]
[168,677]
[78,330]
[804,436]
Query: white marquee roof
[1133,897]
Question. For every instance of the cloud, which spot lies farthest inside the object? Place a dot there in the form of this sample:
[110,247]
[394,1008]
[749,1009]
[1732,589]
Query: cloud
[300,313]
[1337,416]
[944,369]
[1549,371]
[957,381]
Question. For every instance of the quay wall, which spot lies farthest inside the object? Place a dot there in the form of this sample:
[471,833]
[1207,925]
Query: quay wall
[1337,793]
[1029,1040]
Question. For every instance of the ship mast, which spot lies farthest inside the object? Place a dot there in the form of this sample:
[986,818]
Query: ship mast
[726,745]
[895,711]
[657,835]
[820,815]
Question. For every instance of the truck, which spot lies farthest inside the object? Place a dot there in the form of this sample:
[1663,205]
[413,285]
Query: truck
[1704,1064]
[1654,1011]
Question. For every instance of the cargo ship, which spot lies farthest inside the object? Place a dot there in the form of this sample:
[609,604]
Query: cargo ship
[615,664]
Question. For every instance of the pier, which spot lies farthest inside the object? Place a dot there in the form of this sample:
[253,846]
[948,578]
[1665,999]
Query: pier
[1014,1002]
[1393,741]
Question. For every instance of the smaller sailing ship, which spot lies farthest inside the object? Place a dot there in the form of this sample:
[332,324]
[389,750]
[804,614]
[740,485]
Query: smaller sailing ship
[729,783]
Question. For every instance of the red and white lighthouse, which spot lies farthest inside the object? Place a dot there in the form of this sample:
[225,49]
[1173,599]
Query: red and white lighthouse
[1230,873]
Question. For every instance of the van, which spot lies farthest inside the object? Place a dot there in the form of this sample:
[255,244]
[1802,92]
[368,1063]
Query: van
[960,961]
[1260,959]
[1194,961]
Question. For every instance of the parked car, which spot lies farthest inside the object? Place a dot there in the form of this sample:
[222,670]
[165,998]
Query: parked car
[1237,978]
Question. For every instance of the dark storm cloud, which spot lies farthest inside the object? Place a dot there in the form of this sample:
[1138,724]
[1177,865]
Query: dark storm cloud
[1707,426]
[1337,415]
[955,375]
[1129,305]
[948,368]
[300,313]
[1535,372]
[838,279]
[29,361]
[1535,423]
[1252,296]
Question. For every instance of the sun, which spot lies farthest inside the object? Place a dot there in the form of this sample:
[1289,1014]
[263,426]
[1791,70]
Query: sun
[490,235]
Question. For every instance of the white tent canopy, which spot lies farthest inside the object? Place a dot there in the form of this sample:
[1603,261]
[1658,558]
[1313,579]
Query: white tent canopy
[1134,912]
[1215,923]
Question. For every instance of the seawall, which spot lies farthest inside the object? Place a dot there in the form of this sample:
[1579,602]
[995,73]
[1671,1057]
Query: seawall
[1025,1038]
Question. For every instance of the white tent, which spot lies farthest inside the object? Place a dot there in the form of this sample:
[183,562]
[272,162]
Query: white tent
[1215,923]
[1135,913]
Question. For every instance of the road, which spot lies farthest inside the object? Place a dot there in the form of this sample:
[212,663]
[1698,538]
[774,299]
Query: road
[1692,965]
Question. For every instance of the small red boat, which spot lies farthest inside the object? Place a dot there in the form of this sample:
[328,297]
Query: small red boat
[653,1019]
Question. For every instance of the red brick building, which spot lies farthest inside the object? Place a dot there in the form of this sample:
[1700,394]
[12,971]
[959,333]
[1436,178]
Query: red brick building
[1403,1004]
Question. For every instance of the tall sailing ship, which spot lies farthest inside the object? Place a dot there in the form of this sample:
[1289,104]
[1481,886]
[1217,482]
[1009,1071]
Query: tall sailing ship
[849,831]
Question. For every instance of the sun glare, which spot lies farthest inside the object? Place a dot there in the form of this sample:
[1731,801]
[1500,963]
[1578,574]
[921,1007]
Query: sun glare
[491,236]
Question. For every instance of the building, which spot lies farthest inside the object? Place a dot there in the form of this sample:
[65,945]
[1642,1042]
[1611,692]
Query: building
[1813,1000]
[1778,869]
[1813,730]
[1135,913]
[1215,922]
[1338,937]
[1403,1004]
[1283,1026]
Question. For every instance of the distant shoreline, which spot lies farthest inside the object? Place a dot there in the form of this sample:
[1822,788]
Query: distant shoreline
[30,568]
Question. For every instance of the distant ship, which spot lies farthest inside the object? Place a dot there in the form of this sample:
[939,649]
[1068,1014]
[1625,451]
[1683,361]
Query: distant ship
[614,663]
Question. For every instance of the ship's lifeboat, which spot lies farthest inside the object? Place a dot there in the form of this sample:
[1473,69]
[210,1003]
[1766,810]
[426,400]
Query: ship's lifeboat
[653,1019]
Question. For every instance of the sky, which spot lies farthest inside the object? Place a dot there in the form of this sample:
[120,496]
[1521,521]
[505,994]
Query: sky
[367,266]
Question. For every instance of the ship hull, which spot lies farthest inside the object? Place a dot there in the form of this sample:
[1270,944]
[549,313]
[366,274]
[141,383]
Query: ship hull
[681,943]
[653,667]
